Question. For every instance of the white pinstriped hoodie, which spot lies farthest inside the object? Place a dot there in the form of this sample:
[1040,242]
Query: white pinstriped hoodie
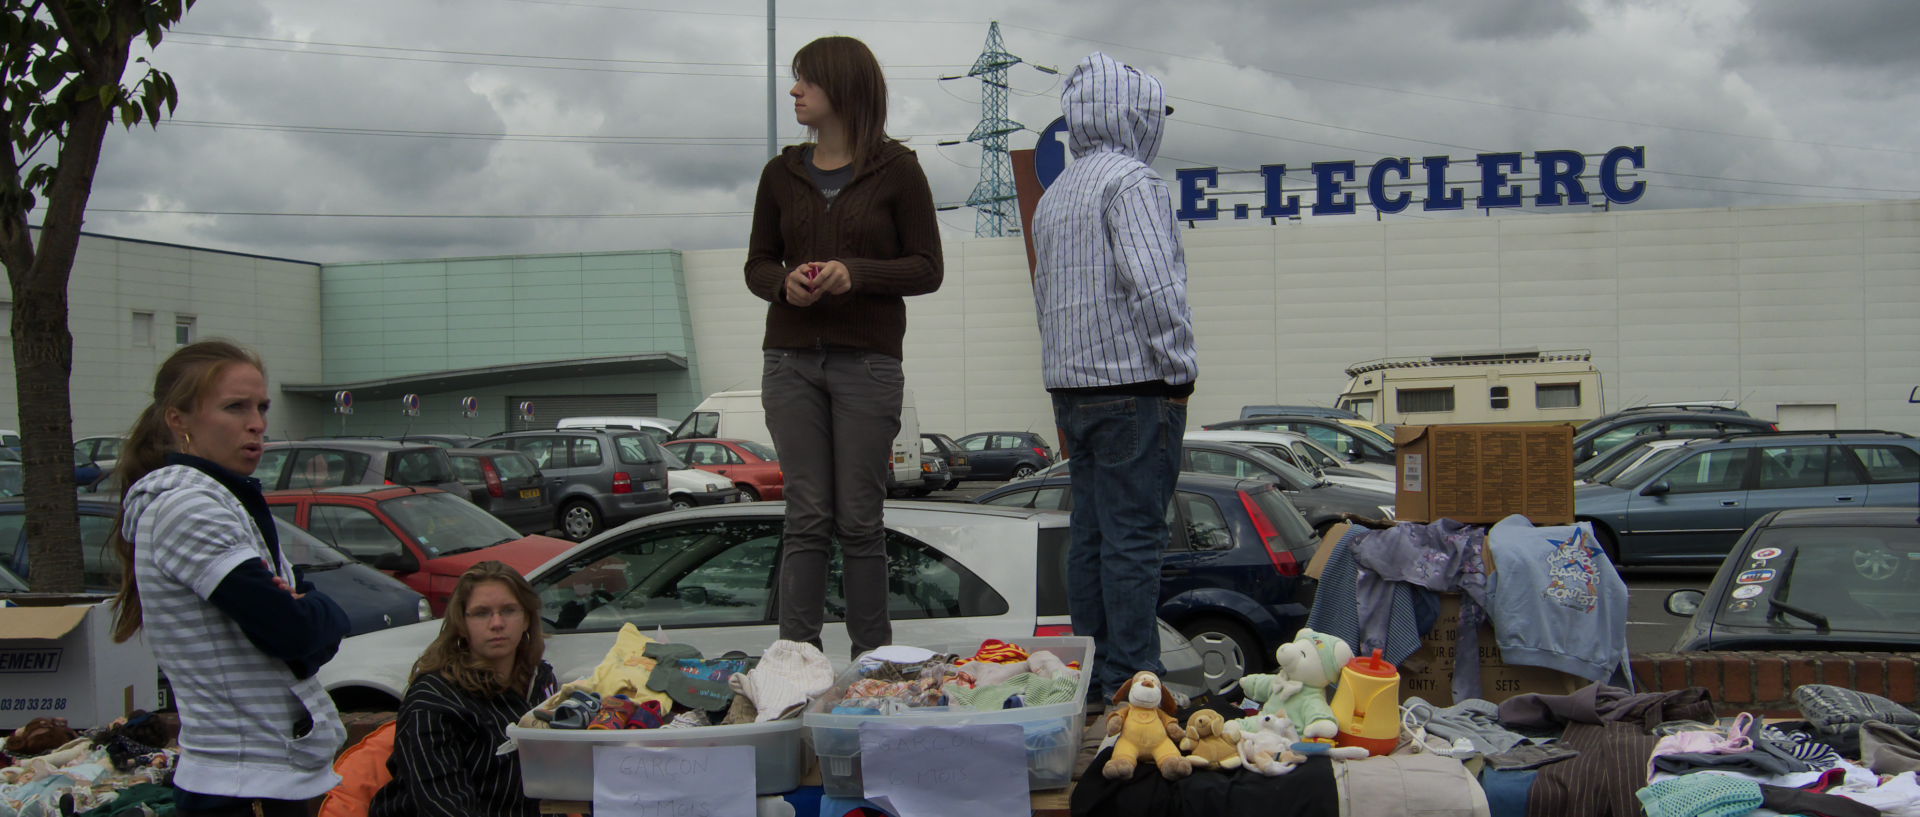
[1110,282]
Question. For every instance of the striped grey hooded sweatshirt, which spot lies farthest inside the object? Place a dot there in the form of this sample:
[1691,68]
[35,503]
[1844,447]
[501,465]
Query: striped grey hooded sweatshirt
[1110,282]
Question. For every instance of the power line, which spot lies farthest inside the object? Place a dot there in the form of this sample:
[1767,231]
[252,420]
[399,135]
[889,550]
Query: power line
[310,43]
[492,64]
[726,141]
[756,16]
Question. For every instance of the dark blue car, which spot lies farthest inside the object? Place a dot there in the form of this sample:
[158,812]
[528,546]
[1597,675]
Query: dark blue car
[1230,579]
[372,600]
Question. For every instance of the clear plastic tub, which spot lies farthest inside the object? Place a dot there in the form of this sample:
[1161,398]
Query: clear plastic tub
[1053,731]
[557,764]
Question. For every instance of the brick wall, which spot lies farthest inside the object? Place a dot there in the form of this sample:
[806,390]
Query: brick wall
[1763,682]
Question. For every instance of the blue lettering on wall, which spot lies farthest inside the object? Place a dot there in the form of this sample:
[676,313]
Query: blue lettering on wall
[1610,174]
[1560,170]
[1190,193]
[1377,185]
[1328,200]
[1438,196]
[1493,182]
[1272,175]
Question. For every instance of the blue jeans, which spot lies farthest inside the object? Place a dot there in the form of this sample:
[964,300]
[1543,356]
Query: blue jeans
[1125,452]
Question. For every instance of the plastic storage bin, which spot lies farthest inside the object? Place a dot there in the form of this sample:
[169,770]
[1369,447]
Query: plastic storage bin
[557,764]
[1053,731]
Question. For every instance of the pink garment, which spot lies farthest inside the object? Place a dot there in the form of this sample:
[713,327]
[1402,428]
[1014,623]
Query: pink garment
[1738,738]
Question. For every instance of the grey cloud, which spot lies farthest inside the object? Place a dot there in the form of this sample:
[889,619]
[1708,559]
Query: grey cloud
[1875,34]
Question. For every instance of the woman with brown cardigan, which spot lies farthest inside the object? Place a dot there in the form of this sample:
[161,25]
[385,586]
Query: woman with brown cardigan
[843,230]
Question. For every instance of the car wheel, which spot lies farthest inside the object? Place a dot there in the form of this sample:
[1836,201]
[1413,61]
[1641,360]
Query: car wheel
[1227,650]
[1875,565]
[918,492]
[1608,542]
[1023,470]
[951,484]
[748,494]
[579,519]
[681,502]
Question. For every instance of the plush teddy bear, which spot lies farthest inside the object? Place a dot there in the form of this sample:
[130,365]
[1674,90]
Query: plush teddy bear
[1268,747]
[1308,665]
[1211,742]
[1143,718]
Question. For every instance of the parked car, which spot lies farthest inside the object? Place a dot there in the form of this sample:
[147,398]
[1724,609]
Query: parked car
[104,451]
[753,466]
[1812,579]
[1601,435]
[505,484]
[1230,577]
[596,477]
[371,599]
[316,463]
[85,471]
[1324,504]
[1691,503]
[690,487]
[424,537]
[438,440]
[1000,455]
[10,440]
[1603,467]
[1357,443]
[10,583]
[1248,412]
[957,572]
[934,476]
[959,465]
[1300,451]
[659,428]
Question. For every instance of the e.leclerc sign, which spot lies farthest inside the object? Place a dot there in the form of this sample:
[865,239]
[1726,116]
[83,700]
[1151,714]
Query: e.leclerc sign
[1561,177]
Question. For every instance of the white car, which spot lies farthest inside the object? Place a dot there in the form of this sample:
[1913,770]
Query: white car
[706,577]
[690,487]
[1300,451]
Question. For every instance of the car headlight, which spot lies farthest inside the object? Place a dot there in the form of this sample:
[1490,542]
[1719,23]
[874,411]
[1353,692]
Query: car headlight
[713,486]
[423,611]
[1386,509]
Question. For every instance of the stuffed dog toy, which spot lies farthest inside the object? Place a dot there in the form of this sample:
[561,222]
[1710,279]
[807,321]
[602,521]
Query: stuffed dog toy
[1211,742]
[1269,748]
[1143,718]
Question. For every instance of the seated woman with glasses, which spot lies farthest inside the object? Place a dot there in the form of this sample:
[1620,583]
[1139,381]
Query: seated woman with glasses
[481,673]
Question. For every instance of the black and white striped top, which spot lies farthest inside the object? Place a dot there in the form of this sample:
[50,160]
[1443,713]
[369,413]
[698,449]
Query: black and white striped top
[443,762]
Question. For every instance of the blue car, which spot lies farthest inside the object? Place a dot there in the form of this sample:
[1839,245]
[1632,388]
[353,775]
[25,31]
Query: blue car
[1691,503]
[371,599]
[1230,579]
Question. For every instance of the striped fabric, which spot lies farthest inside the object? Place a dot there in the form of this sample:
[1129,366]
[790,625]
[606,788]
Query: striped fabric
[1803,746]
[1110,283]
[1336,607]
[445,762]
[238,705]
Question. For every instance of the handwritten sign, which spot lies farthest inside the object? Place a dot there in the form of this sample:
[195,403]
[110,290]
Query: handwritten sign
[937,770]
[685,781]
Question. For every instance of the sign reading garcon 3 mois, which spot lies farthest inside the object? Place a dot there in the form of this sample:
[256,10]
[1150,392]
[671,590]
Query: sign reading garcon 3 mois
[1560,177]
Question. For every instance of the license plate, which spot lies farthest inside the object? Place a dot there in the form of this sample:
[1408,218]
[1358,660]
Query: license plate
[529,493]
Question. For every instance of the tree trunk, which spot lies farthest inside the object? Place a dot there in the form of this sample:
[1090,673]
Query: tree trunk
[42,363]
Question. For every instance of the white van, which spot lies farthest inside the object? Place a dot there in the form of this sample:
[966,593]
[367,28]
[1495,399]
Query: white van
[738,415]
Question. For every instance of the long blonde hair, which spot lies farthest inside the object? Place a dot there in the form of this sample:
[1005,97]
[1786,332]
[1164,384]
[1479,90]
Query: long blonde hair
[182,382]
[451,653]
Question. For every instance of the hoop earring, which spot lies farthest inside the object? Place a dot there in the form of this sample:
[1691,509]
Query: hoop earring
[186,442]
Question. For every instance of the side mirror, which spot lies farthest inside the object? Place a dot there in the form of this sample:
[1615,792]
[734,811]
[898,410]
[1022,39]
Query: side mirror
[1661,488]
[396,561]
[1684,603]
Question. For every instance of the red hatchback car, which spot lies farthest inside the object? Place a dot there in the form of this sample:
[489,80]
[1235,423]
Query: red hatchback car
[424,537]
[753,467]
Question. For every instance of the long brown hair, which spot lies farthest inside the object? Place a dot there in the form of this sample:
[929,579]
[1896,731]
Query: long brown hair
[182,382]
[846,70]
[450,653]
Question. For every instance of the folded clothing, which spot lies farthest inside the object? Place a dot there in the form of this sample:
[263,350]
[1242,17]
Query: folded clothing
[1029,689]
[1475,720]
[1887,750]
[1700,795]
[1531,756]
[1836,714]
[790,674]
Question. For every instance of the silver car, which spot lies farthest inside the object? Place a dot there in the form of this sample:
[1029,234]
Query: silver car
[706,577]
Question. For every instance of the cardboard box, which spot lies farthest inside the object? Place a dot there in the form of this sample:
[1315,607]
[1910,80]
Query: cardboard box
[58,659]
[1428,673]
[1484,474]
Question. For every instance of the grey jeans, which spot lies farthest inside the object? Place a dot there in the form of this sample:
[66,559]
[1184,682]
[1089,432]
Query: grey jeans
[833,415]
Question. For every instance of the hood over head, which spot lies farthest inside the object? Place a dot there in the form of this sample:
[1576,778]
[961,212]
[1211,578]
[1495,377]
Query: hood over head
[1112,106]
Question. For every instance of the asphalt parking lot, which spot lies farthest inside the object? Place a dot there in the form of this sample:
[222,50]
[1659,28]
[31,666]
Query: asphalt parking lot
[1649,627]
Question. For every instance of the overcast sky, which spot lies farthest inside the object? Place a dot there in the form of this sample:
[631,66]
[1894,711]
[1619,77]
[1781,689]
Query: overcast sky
[652,113]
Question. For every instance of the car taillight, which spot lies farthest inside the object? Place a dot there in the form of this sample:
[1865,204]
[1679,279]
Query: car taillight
[1774,426]
[622,482]
[1042,452]
[1050,630]
[493,479]
[1283,561]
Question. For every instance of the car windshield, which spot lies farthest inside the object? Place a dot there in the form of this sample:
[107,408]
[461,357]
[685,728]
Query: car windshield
[1646,469]
[1855,578]
[306,550]
[673,461]
[636,449]
[761,450]
[12,479]
[1616,462]
[445,524]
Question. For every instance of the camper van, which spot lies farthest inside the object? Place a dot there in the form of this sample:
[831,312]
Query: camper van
[1505,386]
[739,415]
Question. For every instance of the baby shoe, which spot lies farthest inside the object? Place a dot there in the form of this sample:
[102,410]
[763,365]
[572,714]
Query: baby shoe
[614,713]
